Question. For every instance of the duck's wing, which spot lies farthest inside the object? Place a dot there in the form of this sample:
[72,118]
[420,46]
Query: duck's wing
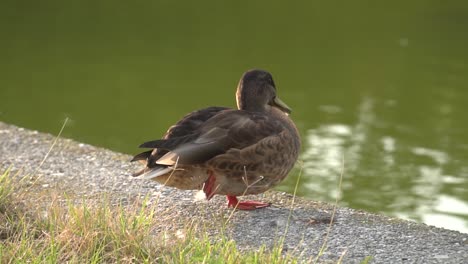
[192,121]
[231,129]
[179,133]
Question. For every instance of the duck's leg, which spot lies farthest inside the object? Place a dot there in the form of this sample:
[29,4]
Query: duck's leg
[210,189]
[245,205]
[209,186]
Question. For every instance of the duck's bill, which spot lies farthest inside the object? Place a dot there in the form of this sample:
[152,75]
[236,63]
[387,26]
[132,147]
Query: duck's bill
[281,105]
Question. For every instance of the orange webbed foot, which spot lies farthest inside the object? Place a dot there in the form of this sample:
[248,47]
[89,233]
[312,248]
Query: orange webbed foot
[245,205]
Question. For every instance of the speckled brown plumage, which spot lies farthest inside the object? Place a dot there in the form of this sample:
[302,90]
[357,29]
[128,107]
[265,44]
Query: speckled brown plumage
[226,151]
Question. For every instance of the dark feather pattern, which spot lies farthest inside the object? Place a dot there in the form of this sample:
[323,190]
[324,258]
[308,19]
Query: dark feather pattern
[142,156]
[179,133]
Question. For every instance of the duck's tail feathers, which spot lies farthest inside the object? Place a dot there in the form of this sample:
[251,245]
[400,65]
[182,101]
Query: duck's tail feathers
[148,174]
[153,144]
[169,143]
[142,156]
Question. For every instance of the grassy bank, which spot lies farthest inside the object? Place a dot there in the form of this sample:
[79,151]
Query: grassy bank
[58,229]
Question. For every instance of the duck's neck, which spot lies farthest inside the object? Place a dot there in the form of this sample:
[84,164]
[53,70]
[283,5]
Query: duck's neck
[249,103]
[252,107]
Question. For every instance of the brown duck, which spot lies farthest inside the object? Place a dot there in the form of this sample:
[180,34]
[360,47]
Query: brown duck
[227,151]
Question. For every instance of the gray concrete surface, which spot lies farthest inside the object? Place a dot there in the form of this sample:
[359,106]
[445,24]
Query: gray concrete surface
[86,170]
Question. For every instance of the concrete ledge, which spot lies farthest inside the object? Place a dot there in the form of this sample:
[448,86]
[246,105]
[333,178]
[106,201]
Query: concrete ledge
[86,171]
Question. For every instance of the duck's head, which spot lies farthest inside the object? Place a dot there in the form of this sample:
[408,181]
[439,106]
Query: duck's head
[257,92]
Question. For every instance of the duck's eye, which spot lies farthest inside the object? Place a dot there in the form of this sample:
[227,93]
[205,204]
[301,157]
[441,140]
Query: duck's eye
[270,81]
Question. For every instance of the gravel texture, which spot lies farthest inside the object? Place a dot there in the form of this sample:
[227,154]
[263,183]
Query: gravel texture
[86,171]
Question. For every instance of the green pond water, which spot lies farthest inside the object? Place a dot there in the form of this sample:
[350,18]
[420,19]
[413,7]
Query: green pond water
[380,86]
